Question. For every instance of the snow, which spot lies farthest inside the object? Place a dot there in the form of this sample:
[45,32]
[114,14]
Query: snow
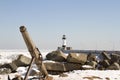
[83,74]
[7,56]
[87,66]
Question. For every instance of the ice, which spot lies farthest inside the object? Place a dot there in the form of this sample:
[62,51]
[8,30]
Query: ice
[6,56]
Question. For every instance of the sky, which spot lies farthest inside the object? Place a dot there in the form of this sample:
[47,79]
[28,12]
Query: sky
[87,24]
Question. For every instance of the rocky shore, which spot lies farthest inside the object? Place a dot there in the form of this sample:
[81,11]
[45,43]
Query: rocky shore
[82,61]
[57,62]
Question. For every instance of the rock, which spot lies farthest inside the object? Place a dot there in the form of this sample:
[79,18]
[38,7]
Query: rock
[5,71]
[48,78]
[91,57]
[22,61]
[0,65]
[34,73]
[17,77]
[56,56]
[104,63]
[77,58]
[105,56]
[72,66]
[55,66]
[41,78]
[62,67]
[114,66]
[92,63]
[115,57]
[100,67]
[63,75]
[93,78]
[11,66]
[107,78]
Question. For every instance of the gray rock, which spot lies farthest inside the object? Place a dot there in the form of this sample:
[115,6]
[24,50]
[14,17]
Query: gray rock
[105,56]
[34,73]
[72,66]
[92,63]
[100,67]
[115,57]
[91,57]
[63,75]
[0,65]
[55,66]
[5,71]
[56,56]
[17,78]
[11,66]
[62,67]
[77,58]
[114,66]
[22,61]
[105,63]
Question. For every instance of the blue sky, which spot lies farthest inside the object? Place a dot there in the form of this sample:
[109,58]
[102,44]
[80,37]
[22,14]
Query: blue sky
[88,24]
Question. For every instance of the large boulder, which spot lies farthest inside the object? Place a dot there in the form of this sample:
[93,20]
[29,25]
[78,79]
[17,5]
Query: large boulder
[105,56]
[61,67]
[100,67]
[55,66]
[63,75]
[22,61]
[104,63]
[11,66]
[34,72]
[8,66]
[93,64]
[0,65]
[77,58]
[115,57]
[91,57]
[5,71]
[72,66]
[56,56]
[114,66]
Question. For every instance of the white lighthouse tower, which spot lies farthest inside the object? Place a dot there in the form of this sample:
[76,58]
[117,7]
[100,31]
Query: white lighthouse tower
[64,42]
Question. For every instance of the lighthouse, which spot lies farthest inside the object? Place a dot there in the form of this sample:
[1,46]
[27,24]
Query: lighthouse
[64,42]
[64,47]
